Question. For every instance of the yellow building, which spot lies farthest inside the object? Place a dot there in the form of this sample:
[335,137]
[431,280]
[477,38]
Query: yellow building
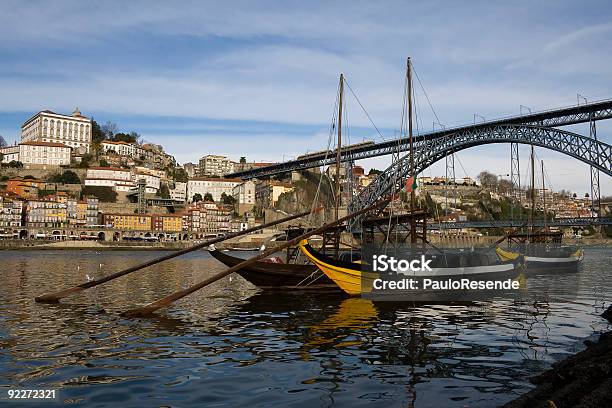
[167,223]
[128,222]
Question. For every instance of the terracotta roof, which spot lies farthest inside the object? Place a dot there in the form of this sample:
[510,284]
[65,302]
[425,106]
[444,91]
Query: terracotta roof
[120,142]
[50,144]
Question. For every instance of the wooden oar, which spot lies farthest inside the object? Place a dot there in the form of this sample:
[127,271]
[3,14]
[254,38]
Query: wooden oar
[55,297]
[166,301]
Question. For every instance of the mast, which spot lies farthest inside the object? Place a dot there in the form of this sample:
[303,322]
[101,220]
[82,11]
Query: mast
[544,195]
[338,147]
[413,237]
[531,215]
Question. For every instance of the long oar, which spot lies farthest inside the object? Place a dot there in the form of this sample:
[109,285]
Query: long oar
[55,297]
[166,301]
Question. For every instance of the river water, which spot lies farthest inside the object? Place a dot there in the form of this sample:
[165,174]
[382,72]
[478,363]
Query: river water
[232,345]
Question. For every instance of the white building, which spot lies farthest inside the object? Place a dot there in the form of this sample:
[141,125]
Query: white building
[9,153]
[44,153]
[244,194]
[215,186]
[213,165]
[121,180]
[48,126]
[179,192]
[123,149]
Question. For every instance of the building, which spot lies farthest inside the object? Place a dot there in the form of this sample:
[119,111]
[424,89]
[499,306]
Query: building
[128,222]
[47,212]
[92,214]
[167,223]
[268,192]
[213,165]
[179,191]
[244,194]
[192,170]
[121,180]
[47,126]
[207,217]
[215,186]
[44,153]
[9,153]
[123,149]
[24,187]
[12,211]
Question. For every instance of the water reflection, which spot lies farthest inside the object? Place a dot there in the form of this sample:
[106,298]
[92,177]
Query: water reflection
[231,344]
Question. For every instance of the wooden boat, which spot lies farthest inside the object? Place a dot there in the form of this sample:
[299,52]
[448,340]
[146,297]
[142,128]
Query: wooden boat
[352,280]
[269,275]
[543,259]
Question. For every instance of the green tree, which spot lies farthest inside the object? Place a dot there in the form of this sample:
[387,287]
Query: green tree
[197,197]
[164,192]
[16,164]
[180,175]
[243,160]
[97,136]
[105,194]
[374,172]
[68,177]
[208,197]
[227,199]
[104,163]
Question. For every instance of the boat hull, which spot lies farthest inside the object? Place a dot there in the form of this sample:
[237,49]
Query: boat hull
[355,282]
[275,275]
[547,264]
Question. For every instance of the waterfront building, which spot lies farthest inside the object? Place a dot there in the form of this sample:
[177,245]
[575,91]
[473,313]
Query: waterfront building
[214,165]
[11,211]
[191,218]
[167,223]
[207,217]
[92,214]
[244,194]
[215,186]
[47,126]
[128,222]
[267,192]
[47,212]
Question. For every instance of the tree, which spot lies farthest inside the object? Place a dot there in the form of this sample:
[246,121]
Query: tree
[103,193]
[1,157]
[109,129]
[487,179]
[180,175]
[197,197]
[208,197]
[227,199]
[16,164]
[131,137]
[164,191]
[97,135]
[374,172]
[104,163]
[68,177]
[242,160]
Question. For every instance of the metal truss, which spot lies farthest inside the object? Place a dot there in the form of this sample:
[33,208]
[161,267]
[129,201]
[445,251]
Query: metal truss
[554,118]
[560,222]
[429,151]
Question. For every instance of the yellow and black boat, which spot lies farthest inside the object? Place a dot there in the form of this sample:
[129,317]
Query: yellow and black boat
[354,280]
[543,258]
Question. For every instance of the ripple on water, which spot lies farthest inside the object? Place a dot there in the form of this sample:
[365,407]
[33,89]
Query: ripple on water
[230,345]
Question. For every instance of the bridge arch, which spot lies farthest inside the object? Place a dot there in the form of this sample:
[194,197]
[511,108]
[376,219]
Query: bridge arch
[428,151]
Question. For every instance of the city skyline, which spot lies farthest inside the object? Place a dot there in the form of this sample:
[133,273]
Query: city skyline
[268,76]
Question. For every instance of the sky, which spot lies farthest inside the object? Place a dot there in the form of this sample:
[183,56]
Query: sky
[259,79]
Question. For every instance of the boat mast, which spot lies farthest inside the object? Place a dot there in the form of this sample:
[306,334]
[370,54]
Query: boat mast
[544,195]
[338,147]
[531,216]
[413,237]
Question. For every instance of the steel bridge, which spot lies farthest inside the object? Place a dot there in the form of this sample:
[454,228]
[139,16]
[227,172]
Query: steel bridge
[546,119]
[559,222]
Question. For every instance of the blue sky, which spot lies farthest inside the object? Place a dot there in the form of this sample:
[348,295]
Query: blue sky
[258,79]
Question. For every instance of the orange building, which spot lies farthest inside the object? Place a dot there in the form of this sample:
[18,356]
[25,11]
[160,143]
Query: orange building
[26,188]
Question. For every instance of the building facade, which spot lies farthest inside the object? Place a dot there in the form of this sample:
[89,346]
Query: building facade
[214,165]
[48,126]
[244,194]
[123,149]
[215,186]
[44,153]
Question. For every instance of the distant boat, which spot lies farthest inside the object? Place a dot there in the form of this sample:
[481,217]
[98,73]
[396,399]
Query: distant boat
[274,275]
[547,259]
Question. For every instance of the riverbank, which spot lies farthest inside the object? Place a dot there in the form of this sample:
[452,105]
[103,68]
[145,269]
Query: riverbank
[582,380]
